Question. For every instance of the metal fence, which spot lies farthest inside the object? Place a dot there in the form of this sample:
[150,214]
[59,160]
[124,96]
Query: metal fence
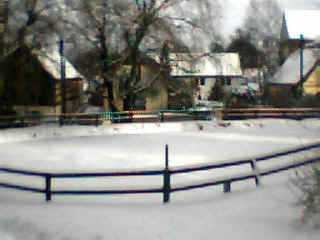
[167,188]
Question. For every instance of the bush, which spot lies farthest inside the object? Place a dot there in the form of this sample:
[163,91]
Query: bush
[180,101]
[308,101]
[308,182]
[289,101]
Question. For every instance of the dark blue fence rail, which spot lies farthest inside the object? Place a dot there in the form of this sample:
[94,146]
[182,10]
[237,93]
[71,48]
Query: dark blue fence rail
[166,189]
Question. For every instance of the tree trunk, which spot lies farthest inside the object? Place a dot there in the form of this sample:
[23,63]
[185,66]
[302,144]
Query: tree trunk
[129,101]
[3,26]
[108,104]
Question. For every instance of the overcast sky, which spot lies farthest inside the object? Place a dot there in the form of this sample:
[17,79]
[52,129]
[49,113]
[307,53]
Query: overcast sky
[235,10]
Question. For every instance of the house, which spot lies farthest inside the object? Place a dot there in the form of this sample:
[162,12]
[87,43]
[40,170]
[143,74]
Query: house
[297,24]
[251,85]
[288,81]
[152,87]
[150,91]
[255,77]
[299,55]
[206,71]
[30,81]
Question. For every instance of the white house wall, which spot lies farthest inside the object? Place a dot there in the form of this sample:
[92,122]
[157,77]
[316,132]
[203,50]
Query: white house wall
[193,65]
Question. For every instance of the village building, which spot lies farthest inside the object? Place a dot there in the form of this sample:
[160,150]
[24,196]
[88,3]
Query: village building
[206,71]
[151,88]
[299,52]
[288,82]
[254,79]
[30,82]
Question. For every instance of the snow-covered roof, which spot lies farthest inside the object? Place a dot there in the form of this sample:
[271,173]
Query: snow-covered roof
[209,65]
[289,73]
[50,59]
[301,22]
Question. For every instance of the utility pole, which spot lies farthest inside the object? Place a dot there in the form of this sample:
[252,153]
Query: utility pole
[4,9]
[63,80]
[301,64]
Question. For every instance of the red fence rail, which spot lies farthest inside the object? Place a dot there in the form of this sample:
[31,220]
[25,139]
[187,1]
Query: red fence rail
[158,116]
[293,113]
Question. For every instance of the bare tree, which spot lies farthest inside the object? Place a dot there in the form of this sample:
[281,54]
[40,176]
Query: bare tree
[27,21]
[263,24]
[263,19]
[120,31]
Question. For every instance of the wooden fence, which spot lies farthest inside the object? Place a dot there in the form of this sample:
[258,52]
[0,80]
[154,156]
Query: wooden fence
[167,188]
[101,117]
[291,113]
[158,116]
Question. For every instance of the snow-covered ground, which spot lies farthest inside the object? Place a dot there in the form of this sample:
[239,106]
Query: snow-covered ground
[266,212]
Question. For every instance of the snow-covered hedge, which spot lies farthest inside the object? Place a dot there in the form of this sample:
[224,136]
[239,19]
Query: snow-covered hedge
[308,182]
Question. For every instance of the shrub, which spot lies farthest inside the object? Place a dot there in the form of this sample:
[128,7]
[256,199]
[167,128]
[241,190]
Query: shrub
[308,101]
[285,100]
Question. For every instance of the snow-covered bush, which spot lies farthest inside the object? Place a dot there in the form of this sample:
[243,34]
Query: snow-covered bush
[308,182]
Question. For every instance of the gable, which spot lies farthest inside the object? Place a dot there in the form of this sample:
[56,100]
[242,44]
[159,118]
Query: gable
[50,59]
[289,72]
[25,81]
[312,85]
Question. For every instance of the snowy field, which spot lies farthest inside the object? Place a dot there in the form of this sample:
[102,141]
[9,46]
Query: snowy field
[266,212]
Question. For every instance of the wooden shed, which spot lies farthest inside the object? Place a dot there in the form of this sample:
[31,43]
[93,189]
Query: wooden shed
[31,81]
[287,81]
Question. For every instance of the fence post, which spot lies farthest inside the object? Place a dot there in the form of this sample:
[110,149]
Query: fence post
[227,187]
[61,120]
[255,169]
[97,119]
[224,114]
[22,121]
[161,117]
[166,180]
[48,187]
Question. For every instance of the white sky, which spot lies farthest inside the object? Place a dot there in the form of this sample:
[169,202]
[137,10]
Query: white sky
[235,10]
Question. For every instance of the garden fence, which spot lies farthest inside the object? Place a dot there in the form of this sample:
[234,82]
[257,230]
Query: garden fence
[103,117]
[167,188]
[289,113]
[157,116]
